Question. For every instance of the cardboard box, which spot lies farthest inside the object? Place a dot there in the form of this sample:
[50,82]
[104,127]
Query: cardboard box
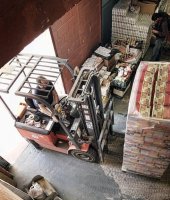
[147,7]
[109,63]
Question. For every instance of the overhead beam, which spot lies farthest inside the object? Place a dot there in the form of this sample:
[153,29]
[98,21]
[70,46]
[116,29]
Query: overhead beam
[23,20]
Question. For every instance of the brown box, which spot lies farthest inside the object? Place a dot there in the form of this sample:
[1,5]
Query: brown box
[21,110]
[147,7]
[109,62]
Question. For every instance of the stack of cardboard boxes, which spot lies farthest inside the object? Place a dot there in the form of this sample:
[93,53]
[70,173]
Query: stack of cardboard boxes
[127,24]
[147,138]
[102,60]
[147,7]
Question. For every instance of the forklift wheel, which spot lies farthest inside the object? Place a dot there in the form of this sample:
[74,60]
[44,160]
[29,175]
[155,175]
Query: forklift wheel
[89,156]
[36,145]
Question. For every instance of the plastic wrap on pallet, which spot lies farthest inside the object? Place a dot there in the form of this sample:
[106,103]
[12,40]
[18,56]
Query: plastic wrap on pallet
[147,138]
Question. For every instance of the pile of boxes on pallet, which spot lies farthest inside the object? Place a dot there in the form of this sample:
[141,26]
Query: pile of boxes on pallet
[102,60]
[147,138]
[122,80]
[115,76]
[126,65]
[127,24]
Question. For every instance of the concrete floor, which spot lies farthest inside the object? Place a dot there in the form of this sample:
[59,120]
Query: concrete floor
[78,180]
[75,179]
[72,178]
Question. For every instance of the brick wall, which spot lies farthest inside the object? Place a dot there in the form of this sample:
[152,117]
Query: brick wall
[77,34]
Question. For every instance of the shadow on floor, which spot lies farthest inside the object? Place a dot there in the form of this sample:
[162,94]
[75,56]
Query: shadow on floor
[133,185]
[78,180]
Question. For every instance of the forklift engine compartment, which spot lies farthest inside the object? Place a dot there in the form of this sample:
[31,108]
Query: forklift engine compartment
[35,122]
[42,133]
[80,125]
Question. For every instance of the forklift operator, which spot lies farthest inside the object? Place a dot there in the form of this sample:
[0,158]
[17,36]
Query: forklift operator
[43,88]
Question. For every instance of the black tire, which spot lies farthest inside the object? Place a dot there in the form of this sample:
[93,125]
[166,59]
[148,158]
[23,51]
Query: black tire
[35,144]
[89,156]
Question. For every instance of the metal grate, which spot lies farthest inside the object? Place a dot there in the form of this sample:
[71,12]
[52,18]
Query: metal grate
[32,66]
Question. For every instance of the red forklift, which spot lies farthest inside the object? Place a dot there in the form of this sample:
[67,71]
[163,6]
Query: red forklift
[80,125]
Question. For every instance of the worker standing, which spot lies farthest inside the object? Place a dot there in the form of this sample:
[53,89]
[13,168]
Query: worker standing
[160,32]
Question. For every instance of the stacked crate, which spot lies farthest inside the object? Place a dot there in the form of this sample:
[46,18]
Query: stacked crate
[163,6]
[126,24]
[147,138]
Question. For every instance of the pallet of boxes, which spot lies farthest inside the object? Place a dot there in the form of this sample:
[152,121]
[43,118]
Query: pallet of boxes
[147,138]
[116,72]
[131,34]
[131,23]
[130,55]
[103,61]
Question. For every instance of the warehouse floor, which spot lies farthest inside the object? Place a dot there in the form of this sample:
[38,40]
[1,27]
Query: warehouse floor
[78,180]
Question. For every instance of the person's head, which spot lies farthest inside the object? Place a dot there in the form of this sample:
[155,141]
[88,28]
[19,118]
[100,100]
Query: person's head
[157,17]
[154,16]
[42,81]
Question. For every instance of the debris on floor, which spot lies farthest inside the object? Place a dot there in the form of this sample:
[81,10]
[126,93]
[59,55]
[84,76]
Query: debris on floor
[40,189]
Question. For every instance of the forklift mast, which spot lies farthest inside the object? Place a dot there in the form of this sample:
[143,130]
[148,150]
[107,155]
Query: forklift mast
[86,94]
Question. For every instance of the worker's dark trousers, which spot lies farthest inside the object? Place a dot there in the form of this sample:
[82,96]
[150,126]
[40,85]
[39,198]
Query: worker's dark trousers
[157,49]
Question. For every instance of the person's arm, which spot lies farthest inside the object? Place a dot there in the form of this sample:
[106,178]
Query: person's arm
[55,96]
[154,29]
[165,31]
[44,110]
[155,32]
